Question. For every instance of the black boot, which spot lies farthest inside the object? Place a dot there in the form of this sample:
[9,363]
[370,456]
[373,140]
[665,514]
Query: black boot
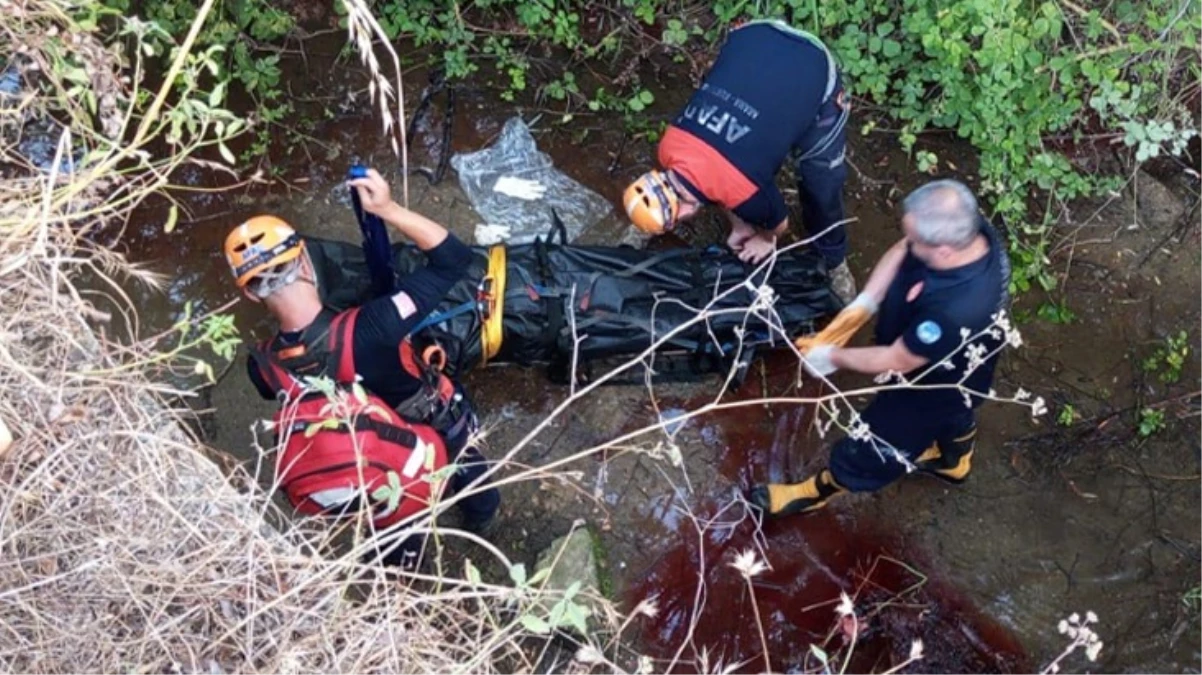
[949,460]
[782,499]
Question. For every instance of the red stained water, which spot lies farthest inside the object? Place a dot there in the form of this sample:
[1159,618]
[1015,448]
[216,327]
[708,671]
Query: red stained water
[813,558]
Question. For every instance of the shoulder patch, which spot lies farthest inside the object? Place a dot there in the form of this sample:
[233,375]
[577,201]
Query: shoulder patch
[929,332]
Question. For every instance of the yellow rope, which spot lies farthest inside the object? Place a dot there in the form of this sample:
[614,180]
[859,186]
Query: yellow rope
[490,331]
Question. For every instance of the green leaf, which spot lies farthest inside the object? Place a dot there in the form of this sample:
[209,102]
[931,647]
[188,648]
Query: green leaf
[884,29]
[578,617]
[394,497]
[535,624]
[891,48]
[217,95]
[517,572]
[226,154]
[470,572]
[540,576]
[646,97]
[381,493]
[819,654]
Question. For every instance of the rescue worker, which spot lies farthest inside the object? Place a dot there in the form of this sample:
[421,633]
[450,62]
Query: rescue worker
[271,266]
[946,279]
[773,90]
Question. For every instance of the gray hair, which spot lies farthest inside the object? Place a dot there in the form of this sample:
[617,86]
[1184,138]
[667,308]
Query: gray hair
[271,280]
[945,214]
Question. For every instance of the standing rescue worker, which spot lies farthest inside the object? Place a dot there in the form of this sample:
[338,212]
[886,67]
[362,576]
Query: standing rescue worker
[946,280]
[773,90]
[371,342]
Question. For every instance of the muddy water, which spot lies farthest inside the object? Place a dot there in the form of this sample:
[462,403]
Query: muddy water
[982,574]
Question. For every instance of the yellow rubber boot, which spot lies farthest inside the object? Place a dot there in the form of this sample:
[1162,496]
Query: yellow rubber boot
[783,499]
[950,461]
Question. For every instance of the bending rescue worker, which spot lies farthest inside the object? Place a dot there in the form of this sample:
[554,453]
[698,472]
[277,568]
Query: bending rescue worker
[773,90]
[323,474]
[944,283]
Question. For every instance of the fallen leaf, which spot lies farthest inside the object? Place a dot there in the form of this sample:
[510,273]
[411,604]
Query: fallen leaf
[172,218]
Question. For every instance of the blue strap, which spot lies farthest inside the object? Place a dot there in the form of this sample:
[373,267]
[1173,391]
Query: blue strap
[439,317]
[376,247]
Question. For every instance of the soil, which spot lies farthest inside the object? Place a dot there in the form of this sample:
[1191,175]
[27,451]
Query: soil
[1054,520]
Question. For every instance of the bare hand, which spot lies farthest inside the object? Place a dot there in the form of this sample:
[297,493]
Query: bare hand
[740,232]
[757,248]
[374,193]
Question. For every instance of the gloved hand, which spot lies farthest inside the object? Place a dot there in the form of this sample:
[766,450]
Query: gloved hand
[487,235]
[817,360]
[841,329]
[521,188]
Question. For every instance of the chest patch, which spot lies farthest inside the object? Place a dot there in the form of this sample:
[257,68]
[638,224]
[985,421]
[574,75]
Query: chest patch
[929,332]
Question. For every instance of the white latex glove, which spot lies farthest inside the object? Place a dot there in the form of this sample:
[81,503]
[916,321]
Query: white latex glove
[521,188]
[818,360]
[487,234]
[864,300]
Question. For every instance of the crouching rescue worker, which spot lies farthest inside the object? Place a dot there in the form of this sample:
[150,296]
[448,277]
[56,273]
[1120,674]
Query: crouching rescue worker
[409,419]
[773,90]
[945,280]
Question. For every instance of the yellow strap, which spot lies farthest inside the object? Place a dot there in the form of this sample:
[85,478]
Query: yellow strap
[490,332]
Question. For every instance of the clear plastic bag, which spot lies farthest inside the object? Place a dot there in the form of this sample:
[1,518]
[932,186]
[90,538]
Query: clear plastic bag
[516,156]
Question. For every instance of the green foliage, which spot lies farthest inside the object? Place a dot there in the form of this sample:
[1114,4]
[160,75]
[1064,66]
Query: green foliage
[1067,415]
[1169,358]
[1056,312]
[1010,76]
[463,46]
[236,24]
[1192,600]
[1151,420]
[392,492]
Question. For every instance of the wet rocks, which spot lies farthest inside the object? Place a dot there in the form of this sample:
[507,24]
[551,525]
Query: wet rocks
[1156,205]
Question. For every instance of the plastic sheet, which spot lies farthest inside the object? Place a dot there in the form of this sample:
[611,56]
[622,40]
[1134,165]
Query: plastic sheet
[515,158]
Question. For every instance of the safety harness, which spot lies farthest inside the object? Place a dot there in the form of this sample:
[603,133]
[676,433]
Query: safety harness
[336,447]
[489,306]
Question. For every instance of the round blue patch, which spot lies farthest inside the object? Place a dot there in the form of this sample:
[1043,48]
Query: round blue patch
[929,332]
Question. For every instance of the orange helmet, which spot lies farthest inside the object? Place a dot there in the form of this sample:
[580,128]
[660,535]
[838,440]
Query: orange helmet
[260,244]
[652,203]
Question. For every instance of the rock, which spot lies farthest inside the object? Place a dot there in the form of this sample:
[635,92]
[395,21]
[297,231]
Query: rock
[575,559]
[1158,208]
